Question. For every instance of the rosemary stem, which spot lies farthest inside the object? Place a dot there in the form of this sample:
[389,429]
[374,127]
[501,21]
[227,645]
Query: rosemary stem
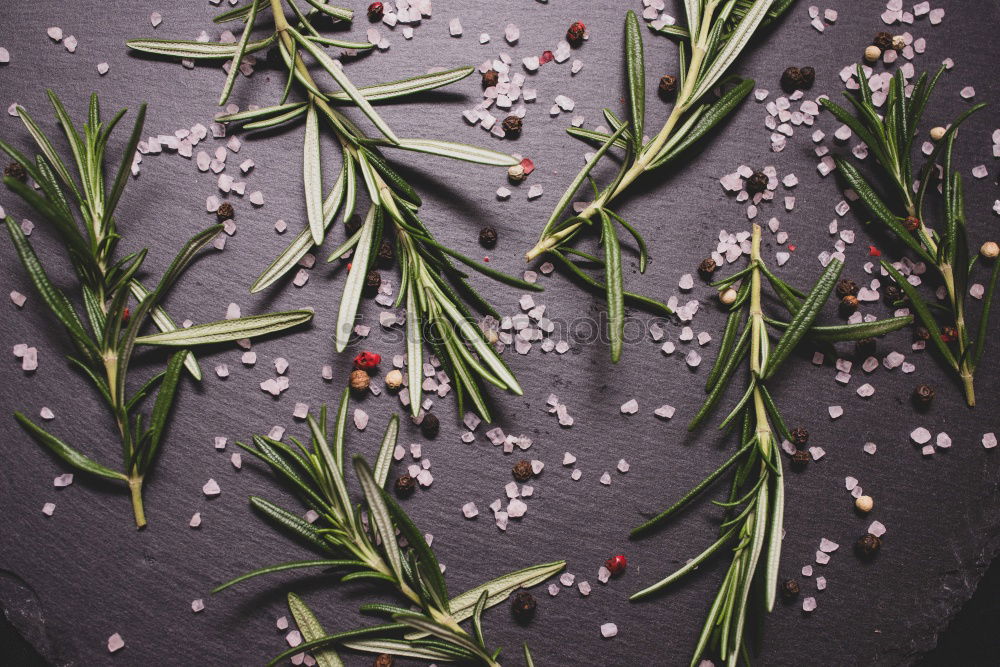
[135,489]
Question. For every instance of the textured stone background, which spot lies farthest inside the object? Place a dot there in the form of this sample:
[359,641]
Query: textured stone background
[69,581]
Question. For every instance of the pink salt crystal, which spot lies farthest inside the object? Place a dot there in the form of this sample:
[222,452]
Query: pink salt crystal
[821,583]
[584,588]
[197,605]
[877,529]
[603,574]
[63,480]
[46,413]
[826,546]
[282,623]
[294,638]
[807,570]
[606,479]
[809,604]
[927,450]
[609,630]
[17,298]
[870,447]
[630,407]
[835,411]
[822,558]
[115,643]
[817,453]
[236,460]
[195,520]
[920,435]
[576,475]
[211,488]
[48,509]
[516,508]
[989,440]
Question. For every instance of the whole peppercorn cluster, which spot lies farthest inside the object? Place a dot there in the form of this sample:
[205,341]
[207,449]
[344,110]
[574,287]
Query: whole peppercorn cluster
[488,237]
[523,606]
[373,280]
[16,171]
[867,546]
[798,78]
[490,78]
[668,86]
[923,395]
[405,486]
[800,437]
[707,268]
[430,425]
[575,34]
[847,287]
[512,126]
[756,183]
[522,470]
[882,40]
[225,212]
[790,589]
[359,380]
[376,11]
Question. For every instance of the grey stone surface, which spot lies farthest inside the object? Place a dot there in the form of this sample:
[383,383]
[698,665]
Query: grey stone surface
[72,580]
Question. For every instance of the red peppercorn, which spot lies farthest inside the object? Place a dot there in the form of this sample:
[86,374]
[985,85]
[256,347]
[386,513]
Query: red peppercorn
[367,360]
[126,314]
[616,564]
[375,11]
[527,165]
[575,33]
[547,56]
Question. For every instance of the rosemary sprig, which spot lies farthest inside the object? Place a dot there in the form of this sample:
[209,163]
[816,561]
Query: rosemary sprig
[433,288]
[754,508]
[717,32]
[358,541]
[81,211]
[890,140]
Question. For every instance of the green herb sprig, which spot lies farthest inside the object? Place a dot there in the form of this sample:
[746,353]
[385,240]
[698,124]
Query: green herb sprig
[754,509]
[358,541]
[890,140]
[433,288]
[717,32]
[81,211]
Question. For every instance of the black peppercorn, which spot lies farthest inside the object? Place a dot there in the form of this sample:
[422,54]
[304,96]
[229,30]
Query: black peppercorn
[790,589]
[523,606]
[522,470]
[512,126]
[800,459]
[405,486]
[846,287]
[797,78]
[375,12]
[16,171]
[923,394]
[490,78]
[430,426]
[385,254]
[383,660]
[668,85]
[848,304]
[883,40]
[756,183]
[922,333]
[707,267]
[575,33]
[488,237]
[867,546]
[865,347]
[892,294]
[372,282]
[799,437]
[225,212]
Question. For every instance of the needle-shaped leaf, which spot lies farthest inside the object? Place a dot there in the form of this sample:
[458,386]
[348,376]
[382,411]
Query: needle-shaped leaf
[477,618]
[164,322]
[635,67]
[310,628]
[414,352]
[384,461]
[262,113]
[501,588]
[289,522]
[333,69]
[241,49]
[335,12]
[984,317]
[775,534]
[804,319]
[312,176]
[457,151]
[378,513]
[192,50]
[401,648]
[733,47]
[688,567]
[224,331]
[403,87]
[923,313]
[613,291]
[161,409]
[284,567]
[64,451]
[355,283]
[124,169]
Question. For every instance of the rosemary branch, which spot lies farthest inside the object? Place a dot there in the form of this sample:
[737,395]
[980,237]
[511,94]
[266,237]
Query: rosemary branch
[754,508]
[81,211]
[433,289]
[359,542]
[891,140]
[717,32]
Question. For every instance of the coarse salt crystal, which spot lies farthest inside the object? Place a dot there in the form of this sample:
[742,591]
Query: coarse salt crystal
[211,488]
[609,630]
[115,643]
